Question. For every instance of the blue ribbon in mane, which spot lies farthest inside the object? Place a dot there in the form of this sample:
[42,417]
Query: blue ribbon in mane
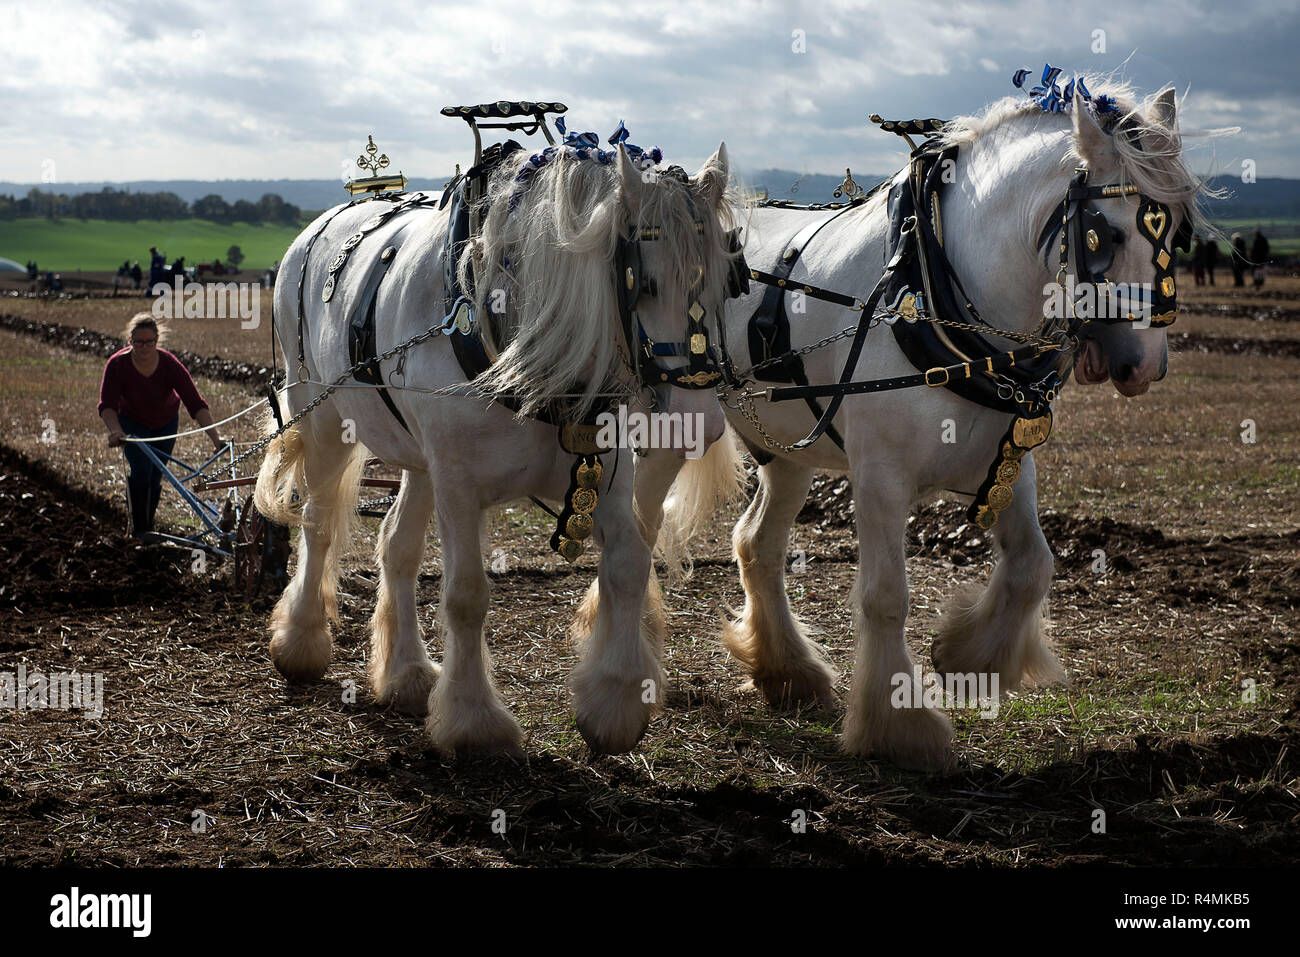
[581,146]
[1051,99]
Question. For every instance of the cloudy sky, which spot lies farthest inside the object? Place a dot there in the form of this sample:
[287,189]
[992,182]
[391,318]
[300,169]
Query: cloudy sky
[265,90]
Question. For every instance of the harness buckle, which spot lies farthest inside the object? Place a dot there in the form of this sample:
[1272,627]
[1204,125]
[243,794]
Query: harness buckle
[935,383]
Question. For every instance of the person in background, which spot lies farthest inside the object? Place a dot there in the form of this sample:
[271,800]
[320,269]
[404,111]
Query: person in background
[1211,258]
[123,274]
[136,274]
[1198,260]
[1238,259]
[140,395]
[1259,258]
[178,269]
[157,269]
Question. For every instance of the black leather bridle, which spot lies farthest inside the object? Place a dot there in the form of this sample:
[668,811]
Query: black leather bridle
[1084,227]
[707,364]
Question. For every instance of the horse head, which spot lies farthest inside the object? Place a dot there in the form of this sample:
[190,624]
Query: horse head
[1125,242]
[674,265]
[604,271]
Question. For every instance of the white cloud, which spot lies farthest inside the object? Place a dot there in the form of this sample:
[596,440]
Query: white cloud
[125,91]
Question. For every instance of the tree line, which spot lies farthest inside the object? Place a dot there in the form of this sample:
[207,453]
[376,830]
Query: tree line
[123,205]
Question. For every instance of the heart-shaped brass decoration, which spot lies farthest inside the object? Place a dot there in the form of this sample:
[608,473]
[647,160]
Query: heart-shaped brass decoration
[1156,221]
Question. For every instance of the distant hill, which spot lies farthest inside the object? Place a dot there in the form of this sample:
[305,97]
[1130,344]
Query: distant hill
[307,194]
[1266,199]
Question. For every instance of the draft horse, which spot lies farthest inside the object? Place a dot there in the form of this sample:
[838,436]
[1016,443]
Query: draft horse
[572,241]
[957,269]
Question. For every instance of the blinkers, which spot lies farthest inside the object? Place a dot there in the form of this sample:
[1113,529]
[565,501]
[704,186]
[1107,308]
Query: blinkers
[1094,239]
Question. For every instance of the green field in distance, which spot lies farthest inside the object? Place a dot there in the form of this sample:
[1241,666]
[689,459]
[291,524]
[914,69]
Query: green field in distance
[95,244]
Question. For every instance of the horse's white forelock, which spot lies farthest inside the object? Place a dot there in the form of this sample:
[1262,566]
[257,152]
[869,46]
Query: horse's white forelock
[552,257]
[1156,169]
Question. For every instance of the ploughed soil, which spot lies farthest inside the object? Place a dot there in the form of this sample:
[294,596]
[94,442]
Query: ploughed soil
[1179,729]
[204,757]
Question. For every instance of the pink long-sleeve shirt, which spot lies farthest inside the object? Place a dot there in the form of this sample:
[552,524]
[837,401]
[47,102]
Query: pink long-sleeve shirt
[152,400]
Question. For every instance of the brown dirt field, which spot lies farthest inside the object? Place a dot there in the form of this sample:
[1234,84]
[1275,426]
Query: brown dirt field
[1201,593]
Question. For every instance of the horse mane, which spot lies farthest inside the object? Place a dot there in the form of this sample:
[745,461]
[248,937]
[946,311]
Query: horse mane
[1156,168]
[550,261]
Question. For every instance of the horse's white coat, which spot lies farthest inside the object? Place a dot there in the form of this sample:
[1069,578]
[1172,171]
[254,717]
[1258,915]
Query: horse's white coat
[465,454]
[1013,168]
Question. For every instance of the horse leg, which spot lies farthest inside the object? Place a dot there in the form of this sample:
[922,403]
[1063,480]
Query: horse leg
[880,720]
[465,710]
[654,474]
[767,639]
[300,637]
[618,684]
[1000,630]
[401,671]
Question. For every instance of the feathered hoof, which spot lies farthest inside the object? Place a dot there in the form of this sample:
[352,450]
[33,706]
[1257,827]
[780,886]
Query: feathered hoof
[603,737]
[301,654]
[409,689]
[457,728]
[812,684]
[915,739]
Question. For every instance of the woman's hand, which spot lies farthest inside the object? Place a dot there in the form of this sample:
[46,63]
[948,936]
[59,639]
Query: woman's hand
[115,438]
[218,443]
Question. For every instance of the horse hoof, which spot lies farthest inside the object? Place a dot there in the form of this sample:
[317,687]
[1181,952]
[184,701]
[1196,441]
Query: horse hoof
[611,743]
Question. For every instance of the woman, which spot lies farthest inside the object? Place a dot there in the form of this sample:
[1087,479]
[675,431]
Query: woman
[140,395]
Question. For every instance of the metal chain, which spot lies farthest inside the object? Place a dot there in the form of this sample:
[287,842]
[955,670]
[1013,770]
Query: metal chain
[332,388]
[1060,340]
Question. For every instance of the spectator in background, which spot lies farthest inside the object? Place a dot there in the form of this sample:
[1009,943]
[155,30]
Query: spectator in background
[1198,259]
[1211,258]
[140,395]
[178,269]
[157,269]
[123,274]
[1238,259]
[1259,258]
[136,274]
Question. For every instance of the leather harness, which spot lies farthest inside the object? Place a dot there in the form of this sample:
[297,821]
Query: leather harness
[941,334]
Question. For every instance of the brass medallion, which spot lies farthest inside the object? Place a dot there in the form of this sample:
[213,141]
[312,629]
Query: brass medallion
[328,292]
[999,497]
[579,526]
[1008,472]
[1155,223]
[589,476]
[584,501]
[1029,433]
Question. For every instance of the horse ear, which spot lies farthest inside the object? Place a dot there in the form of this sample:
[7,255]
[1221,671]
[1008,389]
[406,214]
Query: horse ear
[1166,110]
[1091,142]
[711,178]
[629,183]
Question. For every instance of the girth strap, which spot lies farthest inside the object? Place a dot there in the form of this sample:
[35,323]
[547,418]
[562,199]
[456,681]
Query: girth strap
[769,326]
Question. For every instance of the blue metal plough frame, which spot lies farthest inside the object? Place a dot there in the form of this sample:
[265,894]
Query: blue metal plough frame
[210,516]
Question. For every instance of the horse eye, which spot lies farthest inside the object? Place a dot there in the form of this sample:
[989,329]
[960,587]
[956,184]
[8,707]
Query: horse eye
[1117,236]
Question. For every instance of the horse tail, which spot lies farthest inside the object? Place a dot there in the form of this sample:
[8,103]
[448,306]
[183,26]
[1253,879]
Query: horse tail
[282,472]
[702,486]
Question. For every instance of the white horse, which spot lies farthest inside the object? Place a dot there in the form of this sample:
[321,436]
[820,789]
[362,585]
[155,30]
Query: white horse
[544,265]
[1011,171]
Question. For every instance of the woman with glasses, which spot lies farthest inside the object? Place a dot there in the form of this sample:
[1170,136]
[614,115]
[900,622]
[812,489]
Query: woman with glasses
[140,395]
